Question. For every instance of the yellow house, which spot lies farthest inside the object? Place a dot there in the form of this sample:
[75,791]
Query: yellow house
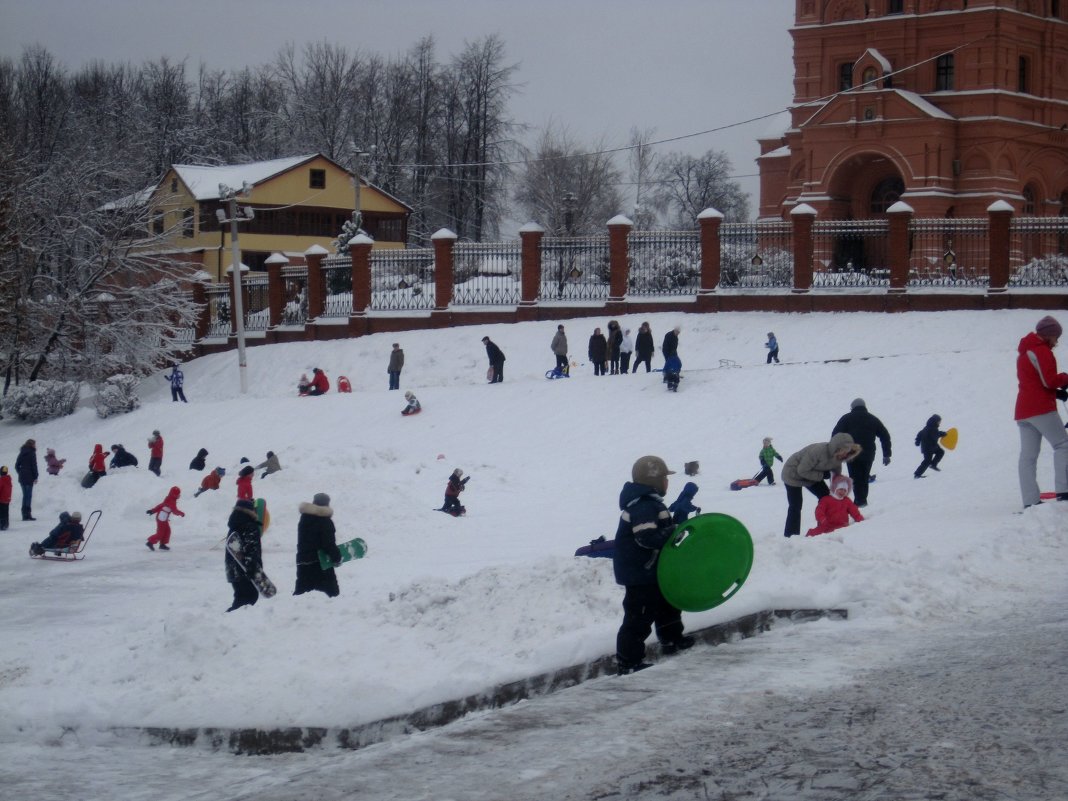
[298,202]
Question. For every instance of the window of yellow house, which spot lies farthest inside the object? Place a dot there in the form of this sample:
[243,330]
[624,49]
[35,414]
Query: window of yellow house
[317,179]
[187,222]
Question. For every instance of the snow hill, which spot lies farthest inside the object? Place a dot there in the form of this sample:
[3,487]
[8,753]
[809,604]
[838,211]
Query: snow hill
[443,607]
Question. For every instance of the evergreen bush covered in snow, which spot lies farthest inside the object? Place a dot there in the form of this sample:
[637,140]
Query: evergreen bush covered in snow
[117,395]
[41,400]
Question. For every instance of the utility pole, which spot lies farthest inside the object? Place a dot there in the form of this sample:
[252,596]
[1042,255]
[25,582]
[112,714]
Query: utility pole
[231,196]
[357,216]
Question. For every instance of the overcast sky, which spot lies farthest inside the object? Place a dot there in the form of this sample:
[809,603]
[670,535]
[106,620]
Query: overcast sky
[598,67]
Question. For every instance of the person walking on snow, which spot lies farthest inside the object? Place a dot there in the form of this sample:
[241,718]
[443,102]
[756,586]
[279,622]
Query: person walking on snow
[245,532]
[773,348]
[645,524]
[808,469]
[316,532]
[927,440]
[496,361]
[163,511]
[177,379]
[864,427]
[559,348]
[155,452]
[1040,386]
[53,464]
[396,364]
[767,457]
[834,510]
[26,470]
[644,347]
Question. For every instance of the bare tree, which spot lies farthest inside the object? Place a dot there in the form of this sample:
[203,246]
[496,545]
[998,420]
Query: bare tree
[642,162]
[691,184]
[558,168]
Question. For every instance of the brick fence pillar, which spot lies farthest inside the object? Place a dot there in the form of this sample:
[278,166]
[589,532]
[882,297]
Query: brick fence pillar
[360,254]
[710,220]
[275,289]
[803,217]
[618,257]
[316,295]
[530,235]
[444,241]
[1000,213]
[899,217]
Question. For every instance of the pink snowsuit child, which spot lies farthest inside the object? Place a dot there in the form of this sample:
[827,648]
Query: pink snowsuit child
[834,510]
[163,512]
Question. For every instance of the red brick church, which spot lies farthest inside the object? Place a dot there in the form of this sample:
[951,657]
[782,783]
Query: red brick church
[948,105]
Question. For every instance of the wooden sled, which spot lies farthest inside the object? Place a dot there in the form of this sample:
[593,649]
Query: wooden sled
[75,552]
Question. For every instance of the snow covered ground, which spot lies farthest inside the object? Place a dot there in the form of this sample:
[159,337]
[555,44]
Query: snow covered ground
[444,607]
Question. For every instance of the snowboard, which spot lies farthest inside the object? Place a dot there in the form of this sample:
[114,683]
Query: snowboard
[949,441]
[258,578]
[602,547]
[704,562]
[458,513]
[353,549]
[742,483]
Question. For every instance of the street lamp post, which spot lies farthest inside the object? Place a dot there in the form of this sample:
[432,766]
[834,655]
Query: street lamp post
[230,196]
[569,202]
[357,216]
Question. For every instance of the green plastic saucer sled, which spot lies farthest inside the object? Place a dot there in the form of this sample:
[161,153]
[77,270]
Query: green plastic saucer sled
[705,562]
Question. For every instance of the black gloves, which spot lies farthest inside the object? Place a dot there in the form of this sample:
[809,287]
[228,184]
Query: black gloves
[1062,394]
[148,511]
[886,460]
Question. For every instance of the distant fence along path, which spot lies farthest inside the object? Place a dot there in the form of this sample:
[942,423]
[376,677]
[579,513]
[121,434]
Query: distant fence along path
[892,264]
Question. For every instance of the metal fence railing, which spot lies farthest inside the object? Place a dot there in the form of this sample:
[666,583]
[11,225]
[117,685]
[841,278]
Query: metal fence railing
[256,302]
[664,263]
[847,254]
[402,280]
[574,268]
[295,294]
[949,252]
[218,296]
[1038,254]
[487,273]
[337,284]
[757,255]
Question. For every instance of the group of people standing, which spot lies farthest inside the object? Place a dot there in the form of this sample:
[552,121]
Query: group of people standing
[610,353]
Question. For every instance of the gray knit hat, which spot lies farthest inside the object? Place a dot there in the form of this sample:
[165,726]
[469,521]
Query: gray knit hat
[321,499]
[858,403]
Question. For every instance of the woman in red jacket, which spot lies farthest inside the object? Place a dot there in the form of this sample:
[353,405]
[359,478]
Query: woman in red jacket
[320,384]
[1036,409]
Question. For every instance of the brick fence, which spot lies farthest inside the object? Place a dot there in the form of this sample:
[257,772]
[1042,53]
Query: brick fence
[894,265]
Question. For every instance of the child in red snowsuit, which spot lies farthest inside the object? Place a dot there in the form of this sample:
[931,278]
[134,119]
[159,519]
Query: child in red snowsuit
[5,496]
[211,481]
[834,510]
[98,461]
[163,512]
[244,483]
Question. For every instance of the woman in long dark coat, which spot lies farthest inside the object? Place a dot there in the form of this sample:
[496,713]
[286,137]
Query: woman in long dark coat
[644,347]
[315,532]
[598,351]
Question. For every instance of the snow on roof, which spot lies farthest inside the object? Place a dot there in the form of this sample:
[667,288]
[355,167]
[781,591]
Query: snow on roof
[925,106]
[777,125]
[777,153]
[204,182]
[880,59]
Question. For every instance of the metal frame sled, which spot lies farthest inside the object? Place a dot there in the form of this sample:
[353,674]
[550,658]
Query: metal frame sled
[70,553]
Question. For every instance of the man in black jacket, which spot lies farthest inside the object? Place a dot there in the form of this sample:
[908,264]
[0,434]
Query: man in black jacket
[26,468]
[496,360]
[864,427]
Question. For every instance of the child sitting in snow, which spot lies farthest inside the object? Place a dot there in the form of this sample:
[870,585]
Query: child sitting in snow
[67,533]
[54,464]
[834,510]
[303,384]
[683,506]
[456,485]
[211,481]
[413,406]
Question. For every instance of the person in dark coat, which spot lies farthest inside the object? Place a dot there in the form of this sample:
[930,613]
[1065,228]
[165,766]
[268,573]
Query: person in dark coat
[244,536]
[927,440]
[672,363]
[597,351]
[643,347]
[26,470]
[644,526]
[615,340]
[864,427]
[120,457]
[315,532]
[67,533]
[199,461]
[684,506]
[396,364]
[496,361]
